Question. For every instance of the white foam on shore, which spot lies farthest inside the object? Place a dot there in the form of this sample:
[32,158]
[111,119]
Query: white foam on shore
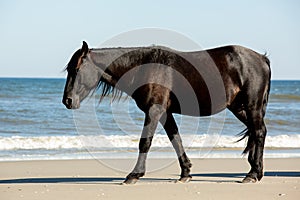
[131,141]
[130,155]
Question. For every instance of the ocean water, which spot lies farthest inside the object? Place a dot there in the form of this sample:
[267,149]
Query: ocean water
[34,124]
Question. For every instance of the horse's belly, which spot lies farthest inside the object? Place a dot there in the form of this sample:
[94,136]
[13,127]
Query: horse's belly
[196,109]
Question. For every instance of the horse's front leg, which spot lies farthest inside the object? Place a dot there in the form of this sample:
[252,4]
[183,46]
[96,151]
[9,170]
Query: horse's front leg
[151,120]
[171,128]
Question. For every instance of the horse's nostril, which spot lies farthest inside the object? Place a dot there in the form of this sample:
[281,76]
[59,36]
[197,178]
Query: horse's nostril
[68,102]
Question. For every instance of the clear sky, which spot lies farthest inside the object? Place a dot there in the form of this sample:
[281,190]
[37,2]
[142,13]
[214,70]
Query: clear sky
[38,37]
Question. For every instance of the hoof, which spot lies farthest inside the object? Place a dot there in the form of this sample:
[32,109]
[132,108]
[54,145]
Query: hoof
[130,181]
[184,179]
[249,180]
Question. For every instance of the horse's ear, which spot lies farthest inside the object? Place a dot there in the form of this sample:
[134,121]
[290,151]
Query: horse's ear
[84,48]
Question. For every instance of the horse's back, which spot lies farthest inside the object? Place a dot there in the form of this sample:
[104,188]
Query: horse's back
[224,72]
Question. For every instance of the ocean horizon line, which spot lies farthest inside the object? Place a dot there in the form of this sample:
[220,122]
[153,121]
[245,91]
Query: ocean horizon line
[58,77]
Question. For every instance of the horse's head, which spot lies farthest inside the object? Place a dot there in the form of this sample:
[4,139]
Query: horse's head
[83,77]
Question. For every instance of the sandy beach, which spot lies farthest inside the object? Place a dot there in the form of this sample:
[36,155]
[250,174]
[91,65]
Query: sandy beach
[101,179]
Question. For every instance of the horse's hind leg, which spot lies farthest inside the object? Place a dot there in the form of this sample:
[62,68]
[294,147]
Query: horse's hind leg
[252,117]
[256,108]
[255,145]
[172,131]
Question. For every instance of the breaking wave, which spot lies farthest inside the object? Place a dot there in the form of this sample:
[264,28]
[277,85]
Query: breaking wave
[131,141]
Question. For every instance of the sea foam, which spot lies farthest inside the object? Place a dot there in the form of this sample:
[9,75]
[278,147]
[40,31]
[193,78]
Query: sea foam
[131,141]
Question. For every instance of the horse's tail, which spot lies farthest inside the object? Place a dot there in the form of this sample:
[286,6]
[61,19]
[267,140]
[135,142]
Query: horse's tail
[250,143]
[246,132]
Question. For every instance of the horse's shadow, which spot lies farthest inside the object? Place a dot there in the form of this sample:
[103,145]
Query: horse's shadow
[221,176]
[77,180]
[74,180]
[241,175]
[118,180]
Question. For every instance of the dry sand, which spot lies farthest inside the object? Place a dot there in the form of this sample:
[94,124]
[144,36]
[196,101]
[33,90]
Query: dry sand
[91,179]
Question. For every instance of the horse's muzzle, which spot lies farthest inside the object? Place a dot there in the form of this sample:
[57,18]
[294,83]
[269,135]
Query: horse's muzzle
[70,104]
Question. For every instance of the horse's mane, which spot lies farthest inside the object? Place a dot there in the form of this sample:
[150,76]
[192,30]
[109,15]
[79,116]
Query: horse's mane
[71,66]
[138,56]
[108,89]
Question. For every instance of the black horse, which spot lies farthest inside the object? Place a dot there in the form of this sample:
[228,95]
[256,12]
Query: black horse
[163,81]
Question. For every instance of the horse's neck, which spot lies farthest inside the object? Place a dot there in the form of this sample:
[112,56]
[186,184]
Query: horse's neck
[116,61]
[105,57]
